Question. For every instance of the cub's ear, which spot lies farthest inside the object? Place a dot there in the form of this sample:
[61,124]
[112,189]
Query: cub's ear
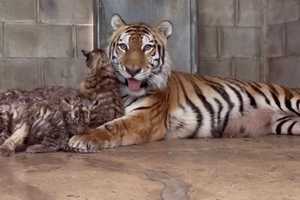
[165,28]
[116,22]
[85,52]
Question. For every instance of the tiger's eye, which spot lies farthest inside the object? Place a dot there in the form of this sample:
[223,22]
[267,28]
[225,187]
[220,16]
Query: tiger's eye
[147,47]
[123,46]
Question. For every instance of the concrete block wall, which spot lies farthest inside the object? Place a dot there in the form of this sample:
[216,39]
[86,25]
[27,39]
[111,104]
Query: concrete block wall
[40,42]
[230,34]
[283,42]
[250,39]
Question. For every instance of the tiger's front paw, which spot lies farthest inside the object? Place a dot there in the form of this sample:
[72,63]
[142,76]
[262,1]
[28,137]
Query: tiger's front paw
[83,144]
[93,141]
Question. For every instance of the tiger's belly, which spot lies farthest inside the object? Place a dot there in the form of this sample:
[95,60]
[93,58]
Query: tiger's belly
[184,123]
[252,123]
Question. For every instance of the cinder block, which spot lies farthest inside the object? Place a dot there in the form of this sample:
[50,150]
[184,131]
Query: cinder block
[20,73]
[293,38]
[250,13]
[17,10]
[246,68]
[84,38]
[275,40]
[285,71]
[241,42]
[38,41]
[66,11]
[216,12]
[281,11]
[214,67]
[208,42]
[66,72]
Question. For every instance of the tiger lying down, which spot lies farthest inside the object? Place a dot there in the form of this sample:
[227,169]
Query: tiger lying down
[44,119]
[161,103]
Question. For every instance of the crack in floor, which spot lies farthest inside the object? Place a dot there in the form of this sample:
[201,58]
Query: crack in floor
[173,188]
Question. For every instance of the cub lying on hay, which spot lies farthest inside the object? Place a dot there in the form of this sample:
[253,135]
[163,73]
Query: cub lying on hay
[43,120]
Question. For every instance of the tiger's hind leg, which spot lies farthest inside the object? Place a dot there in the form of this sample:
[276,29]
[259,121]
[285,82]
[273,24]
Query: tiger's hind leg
[263,122]
[284,124]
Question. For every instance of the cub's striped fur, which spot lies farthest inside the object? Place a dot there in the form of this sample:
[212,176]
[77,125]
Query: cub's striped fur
[102,84]
[43,120]
[161,103]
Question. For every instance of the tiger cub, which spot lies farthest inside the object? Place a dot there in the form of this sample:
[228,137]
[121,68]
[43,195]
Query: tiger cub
[44,119]
[101,83]
[40,122]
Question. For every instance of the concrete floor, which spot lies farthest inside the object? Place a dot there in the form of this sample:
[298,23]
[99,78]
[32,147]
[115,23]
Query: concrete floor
[216,169]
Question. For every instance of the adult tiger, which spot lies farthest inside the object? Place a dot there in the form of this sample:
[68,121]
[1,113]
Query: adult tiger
[161,103]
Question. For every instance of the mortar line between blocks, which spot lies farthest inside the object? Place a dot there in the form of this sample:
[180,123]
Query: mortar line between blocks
[2,39]
[236,12]
[285,40]
[74,40]
[233,67]
[37,11]
[219,41]
[41,69]
[194,36]
[264,72]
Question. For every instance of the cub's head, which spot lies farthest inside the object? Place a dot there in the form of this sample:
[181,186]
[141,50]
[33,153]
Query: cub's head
[138,54]
[95,58]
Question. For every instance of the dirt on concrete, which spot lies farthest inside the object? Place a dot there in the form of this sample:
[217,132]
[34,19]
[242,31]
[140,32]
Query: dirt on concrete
[265,168]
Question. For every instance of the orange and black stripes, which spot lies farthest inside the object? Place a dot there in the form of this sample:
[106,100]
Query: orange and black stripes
[193,106]
[180,105]
[240,97]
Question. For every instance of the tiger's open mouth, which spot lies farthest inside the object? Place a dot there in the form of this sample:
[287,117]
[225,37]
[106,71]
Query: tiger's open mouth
[135,85]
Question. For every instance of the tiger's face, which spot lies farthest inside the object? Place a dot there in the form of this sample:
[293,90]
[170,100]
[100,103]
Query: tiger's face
[138,54]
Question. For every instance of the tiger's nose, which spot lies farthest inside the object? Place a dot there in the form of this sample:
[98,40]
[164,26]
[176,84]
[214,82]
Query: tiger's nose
[133,72]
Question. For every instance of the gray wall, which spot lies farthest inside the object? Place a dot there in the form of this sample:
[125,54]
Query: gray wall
[250,39]
[40,41]
[283,42]
[230,38]
[247,39]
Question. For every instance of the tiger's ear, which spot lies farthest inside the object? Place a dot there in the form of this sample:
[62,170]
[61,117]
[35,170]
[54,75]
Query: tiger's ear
[117,22]
[165,28]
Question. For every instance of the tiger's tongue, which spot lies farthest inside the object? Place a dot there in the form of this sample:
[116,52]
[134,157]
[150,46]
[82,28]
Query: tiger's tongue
[134,85]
